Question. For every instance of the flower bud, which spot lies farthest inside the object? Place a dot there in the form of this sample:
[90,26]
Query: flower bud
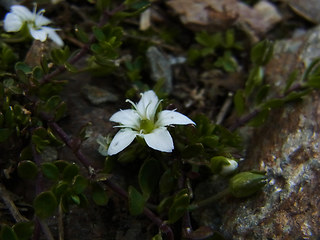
[222,165]
[245,184]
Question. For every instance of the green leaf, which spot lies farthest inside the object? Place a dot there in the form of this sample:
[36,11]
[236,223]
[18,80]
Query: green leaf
[45,204]
[60,111]
[39,142]
[7,233]
[80,184]
[11,85]
[101,4]
[60,189]
[254,80]
[239,101]
[180,205]
[157,237]
[5,133]
[261,53]
[61,164]
[207,40]
[292,77]
[245,184]
[136,201]
[229,39]
[221,165]
[165,204]
[310,69]
[50,170]
[192,150]
[273,103]
[23,67]
[52,103]
[128,156]
[24,230]
[22,115]
[81,35]
[37,73]
[83,200]
[121,14]
[260,118]
[60,56]
[1,121]
[103,144]
[99,34]
[137,4]
[262,93]
[75,199]
[148,176]
[26,153]
[167,182]
[294,96]
[99,195]
[70,172]
[27,169]
[226,62]
[71,68]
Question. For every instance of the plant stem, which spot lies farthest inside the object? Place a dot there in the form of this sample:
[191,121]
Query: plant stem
[10,205]
[245,119]
[45,229]
[209,200]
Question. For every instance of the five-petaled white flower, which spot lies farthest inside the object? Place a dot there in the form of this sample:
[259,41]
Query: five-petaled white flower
[35,21]
[145,122]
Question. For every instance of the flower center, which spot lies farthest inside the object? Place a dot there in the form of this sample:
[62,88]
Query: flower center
[146,126]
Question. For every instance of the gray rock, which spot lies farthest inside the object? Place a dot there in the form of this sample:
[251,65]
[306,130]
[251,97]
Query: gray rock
[160,68]
[287,149]
[97,95]
[307,9]
[288,207]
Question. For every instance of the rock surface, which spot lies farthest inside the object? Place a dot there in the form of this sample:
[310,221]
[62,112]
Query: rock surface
[287,148]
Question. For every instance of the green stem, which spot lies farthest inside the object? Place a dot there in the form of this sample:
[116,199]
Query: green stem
[209,200]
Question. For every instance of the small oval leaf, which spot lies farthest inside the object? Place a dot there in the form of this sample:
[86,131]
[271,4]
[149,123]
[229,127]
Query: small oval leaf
[149,175]
[24,230]
[70,172]
[7,233]
[27,169]
[50,171]
[99,195]
[136,201]
[45,204]
[80,184]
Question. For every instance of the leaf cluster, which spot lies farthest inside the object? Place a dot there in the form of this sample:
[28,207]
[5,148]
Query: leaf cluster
[257,99]
[218,48]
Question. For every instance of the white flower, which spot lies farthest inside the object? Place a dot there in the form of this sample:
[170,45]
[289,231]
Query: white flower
[35,21]
[143,121]
[229,168]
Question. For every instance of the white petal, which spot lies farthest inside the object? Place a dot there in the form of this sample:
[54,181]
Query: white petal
[167,117]
[53,35]
[38,34]
[41,20]
[148,104]
[226,169]
[128,118]
[160,139]
[121,140]
[12,23]
[22,12]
